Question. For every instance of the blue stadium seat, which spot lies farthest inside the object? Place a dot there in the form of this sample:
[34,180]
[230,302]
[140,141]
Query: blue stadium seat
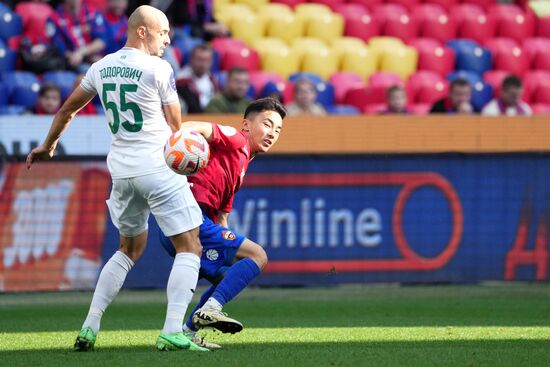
[315,79]
[216,61]
[482,93]
[477,59]
[10,23]
[470,76]
[8,58]
[458,44]
[343,109]
[63,79]
[23,87]
[12,110]
[3,94]
[325,94]
[186,45]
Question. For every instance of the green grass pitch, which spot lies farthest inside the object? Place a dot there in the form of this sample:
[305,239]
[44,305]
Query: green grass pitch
[495,325]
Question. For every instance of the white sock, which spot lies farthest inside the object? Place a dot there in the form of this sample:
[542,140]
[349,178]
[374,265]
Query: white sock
[181,286]
[110,281]
[212,304]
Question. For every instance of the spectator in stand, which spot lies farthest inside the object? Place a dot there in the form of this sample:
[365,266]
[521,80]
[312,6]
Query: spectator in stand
[458,100]
[304,103]
[195,83]
[195,15]
[49,100]
[271,90]
[396,100]
[233,98]
[116,25]
[79,33]
[509,103]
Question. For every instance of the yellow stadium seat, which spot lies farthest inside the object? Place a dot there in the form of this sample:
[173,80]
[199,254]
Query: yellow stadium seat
[220,3]
[301,45]
[402,61]
[228,12]
[319,61]
[355,56]
[273,10]
[254,4]
[248,28]
[343,44]
[327,27]
[281,61]
[308,10]
[268,44]
[287,27]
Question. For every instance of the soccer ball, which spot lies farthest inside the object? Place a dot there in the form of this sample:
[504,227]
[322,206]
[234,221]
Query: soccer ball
[186,153]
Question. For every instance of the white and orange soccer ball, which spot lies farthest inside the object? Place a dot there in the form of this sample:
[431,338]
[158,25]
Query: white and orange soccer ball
[186,153]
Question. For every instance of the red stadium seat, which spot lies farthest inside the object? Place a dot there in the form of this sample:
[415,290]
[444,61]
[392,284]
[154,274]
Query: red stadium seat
[332,4]
[535,45]
[379,84]
[357,97]
[513,60]
[441,27]
[374,108]
[542,92]
[424,43]
[245,58]
[460,12]
[543,26]
[343,82]
[259,79]
[541,61]
[484,3]
[447,4]
[402,27]
[500,44]
[438,59]
[420,108]
[425,11]
[409,4]
[351,10]
[385,11]
[34,16]
[370,4]
[363,27]
[223,44]
[426,87]
[512,21]
[541,108]
[479,28]
[494,78]
[531,82]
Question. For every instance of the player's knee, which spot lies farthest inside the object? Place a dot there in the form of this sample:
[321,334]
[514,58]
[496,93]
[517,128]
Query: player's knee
[260,257]
[188,242]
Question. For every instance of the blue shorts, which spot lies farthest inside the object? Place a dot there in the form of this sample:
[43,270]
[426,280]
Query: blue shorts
[219,246]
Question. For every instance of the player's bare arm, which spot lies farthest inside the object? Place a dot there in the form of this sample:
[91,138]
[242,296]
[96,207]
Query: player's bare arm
[78,99]
[203,128]
[172,112]
[222,218]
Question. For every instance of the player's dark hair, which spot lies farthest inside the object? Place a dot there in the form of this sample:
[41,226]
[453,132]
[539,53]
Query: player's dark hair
[511,81]
[265,104]
[460,82]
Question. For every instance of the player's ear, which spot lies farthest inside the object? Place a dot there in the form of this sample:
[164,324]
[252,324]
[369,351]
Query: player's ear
[246,125]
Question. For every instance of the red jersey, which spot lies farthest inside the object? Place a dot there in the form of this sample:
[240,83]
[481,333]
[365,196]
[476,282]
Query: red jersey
[216,185]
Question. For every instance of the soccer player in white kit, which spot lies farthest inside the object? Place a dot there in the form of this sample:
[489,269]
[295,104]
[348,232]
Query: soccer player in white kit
[137,90]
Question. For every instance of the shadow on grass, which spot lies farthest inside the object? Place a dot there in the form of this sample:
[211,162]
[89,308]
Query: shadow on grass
[392,353]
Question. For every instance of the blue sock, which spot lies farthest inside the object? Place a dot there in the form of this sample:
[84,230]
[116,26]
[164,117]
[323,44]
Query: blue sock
[236,278]
[204,297]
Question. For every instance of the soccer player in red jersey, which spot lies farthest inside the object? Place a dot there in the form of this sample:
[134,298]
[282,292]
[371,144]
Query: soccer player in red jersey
[229,261]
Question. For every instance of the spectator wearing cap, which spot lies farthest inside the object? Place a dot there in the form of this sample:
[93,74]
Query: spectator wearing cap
[509,103]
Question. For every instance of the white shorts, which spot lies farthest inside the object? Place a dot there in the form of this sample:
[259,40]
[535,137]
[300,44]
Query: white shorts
[165,194]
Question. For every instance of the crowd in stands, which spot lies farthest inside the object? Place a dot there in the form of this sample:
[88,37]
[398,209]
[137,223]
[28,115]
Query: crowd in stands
[321,57]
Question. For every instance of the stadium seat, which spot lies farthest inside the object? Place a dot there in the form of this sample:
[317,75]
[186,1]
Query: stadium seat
[23,87]
[543,26]
[441,27]
[499,44]
[426,87]
[248,28]
[424,11]
[362,26]
[478,29]
[345,81]
[325,27]
[460,44]
[3,94]
[512,60]
[512,21]
[388,10]
[8,58]
[343,109]
[494,78]
[541,108]
[269,44]
[541,93]
[272,11]
[229,12]
[402,61]
[245,58]
[438,59]
[253,4]
[351,10]
[311,10]
[286,27]
[63,79]
[34,16]
[482,93]
[314,78]
[374,108]
[531,82]
[10,24]
[379,84]
[303,44]
[423,43]
[280,61]
[532,46]
[357,97]
[325,94]
[483,3]
[332,4]
[369,4]
[447,4]
[383,44]
[470,76]
[478,59]
[402,27]
[355,57]
[463,11]
[12,110]
[260,78]
[223,44]
[320,61]
[420,108]
[290,3]
[408,4]
[541,61]
[185,45]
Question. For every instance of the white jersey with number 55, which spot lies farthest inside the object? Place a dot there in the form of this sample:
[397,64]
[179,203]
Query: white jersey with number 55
[133,87]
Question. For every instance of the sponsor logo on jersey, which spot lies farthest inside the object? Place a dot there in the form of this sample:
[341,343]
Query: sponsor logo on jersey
[227,130]
[172,81]
[228,235]
[212,255]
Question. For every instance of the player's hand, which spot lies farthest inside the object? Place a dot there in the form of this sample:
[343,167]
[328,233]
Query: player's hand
[40,153]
